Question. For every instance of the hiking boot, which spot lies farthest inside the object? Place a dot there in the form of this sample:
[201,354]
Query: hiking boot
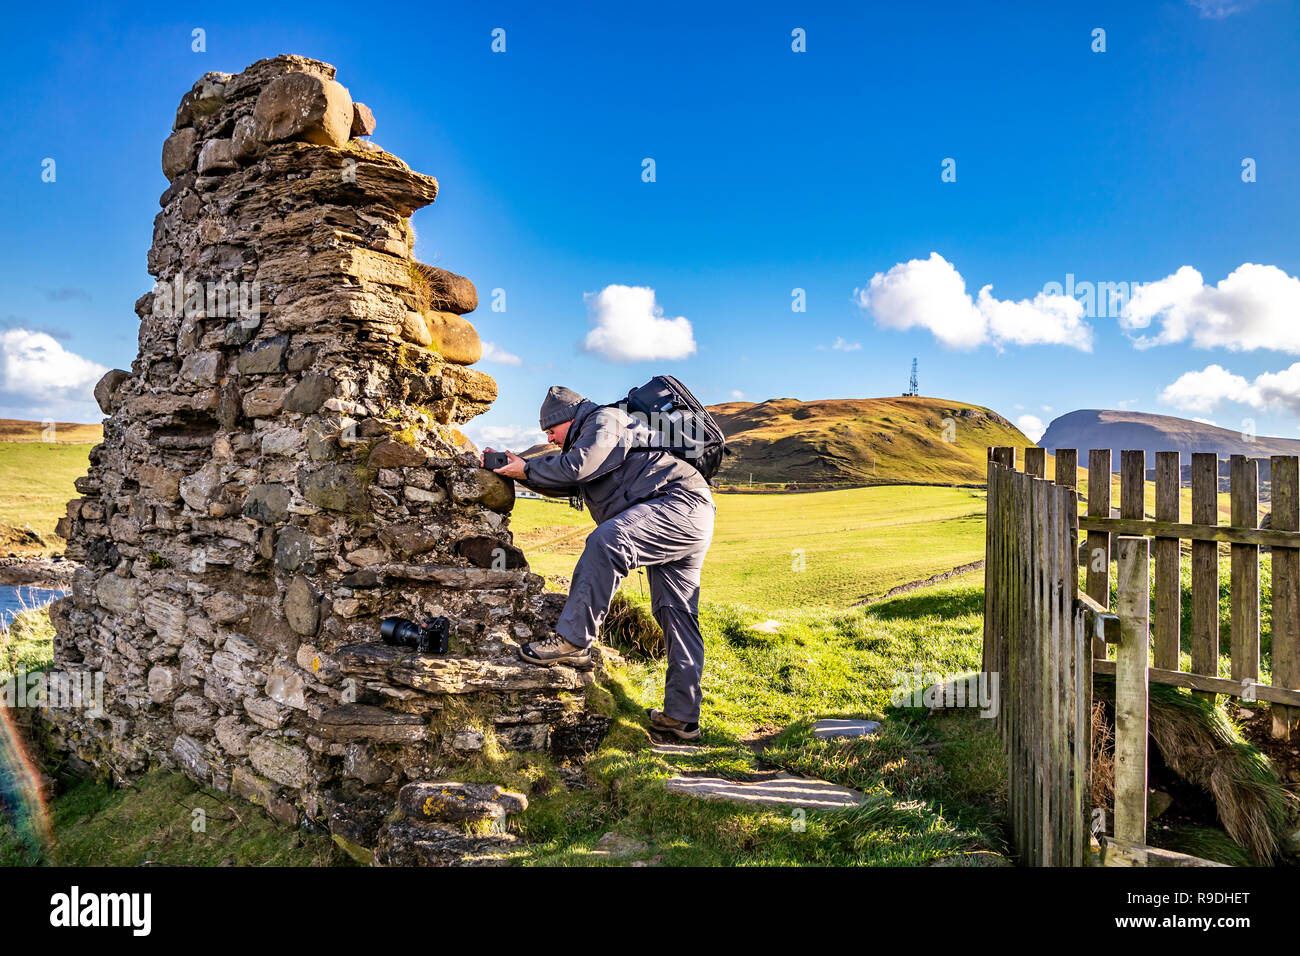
[669,725]
[555,650]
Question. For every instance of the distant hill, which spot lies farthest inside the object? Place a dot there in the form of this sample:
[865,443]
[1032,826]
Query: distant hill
[1091,428]
[541,448]
[15,429]
[860,440]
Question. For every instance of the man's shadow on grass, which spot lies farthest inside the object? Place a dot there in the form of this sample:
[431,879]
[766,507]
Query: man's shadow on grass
[955,603]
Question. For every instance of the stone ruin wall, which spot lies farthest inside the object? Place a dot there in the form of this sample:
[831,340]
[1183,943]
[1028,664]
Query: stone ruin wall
[281,471]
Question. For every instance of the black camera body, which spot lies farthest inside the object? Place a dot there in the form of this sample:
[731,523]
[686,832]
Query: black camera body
[492,460]
[431,637]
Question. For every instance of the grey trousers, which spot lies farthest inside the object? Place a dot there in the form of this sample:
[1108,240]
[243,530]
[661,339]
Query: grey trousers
[669,537]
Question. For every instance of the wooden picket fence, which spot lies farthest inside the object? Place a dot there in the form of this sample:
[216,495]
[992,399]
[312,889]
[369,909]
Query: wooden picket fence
[1046,638]
[1036,639]
[1166,530]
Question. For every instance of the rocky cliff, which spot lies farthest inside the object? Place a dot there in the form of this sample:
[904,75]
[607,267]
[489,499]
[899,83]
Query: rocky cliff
[280,470]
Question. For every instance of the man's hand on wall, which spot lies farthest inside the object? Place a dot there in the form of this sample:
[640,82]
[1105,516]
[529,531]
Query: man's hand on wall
[512,469]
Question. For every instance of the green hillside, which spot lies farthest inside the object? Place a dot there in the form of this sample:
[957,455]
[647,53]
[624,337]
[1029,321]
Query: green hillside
[861,440]
[35,487]
[796,551]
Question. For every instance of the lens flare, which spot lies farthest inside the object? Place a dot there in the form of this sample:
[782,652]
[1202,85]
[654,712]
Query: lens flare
[22,795]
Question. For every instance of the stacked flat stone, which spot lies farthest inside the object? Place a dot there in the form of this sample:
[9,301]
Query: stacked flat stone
[275,480]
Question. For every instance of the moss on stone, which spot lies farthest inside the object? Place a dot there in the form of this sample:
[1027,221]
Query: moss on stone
[598,700]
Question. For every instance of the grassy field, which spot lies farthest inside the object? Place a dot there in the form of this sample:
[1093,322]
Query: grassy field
[820,549]
[62,433]
[35,486]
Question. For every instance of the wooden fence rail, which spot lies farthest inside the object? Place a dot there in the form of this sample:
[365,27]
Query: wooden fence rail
[1244,536]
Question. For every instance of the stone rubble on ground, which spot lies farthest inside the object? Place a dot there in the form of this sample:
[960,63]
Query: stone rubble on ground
[281,469]
[618,845]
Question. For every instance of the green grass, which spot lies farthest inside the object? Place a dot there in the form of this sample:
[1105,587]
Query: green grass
[933,784]
[784,551]
[35,486]
[154,822]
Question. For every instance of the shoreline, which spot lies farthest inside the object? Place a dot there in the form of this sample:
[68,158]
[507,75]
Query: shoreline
[47,572]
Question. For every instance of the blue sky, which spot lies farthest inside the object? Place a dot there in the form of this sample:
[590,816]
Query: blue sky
[775,170]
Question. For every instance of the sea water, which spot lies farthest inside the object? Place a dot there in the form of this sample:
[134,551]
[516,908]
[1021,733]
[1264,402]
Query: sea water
[17,598]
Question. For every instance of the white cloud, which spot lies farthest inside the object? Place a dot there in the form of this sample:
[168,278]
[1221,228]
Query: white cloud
[1032,426]
[493,353]
[1219,9]
[1202,391]
[1255,307]
[1280,389]
[628,326]
[931,294]
[842,346]
[39,378]
[1205,390]
[517,438]
[1205,421]
[1047,319]
[737,394]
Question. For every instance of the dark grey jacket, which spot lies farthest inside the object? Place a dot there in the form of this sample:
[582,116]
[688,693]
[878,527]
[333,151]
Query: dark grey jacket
[598,465]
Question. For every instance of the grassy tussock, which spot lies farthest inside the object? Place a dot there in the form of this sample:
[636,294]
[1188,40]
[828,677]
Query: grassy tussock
[26,641]
[630,628]
[1200,743]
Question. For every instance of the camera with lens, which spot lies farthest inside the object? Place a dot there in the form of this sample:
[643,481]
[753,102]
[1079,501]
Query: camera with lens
[431,637]
[492,460]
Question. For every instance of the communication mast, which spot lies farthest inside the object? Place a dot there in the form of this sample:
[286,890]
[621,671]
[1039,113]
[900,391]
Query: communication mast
[913,389]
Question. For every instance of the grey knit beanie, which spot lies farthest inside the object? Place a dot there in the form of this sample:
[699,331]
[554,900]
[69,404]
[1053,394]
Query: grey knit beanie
[560,405]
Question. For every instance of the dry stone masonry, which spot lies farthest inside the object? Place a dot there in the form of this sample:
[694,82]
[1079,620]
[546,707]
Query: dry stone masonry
[280,470]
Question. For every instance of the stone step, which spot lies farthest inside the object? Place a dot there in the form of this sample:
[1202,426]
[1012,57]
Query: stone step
[351,722]
[449,674]
[408,843]
[826,729]
[450,801]
[778,790]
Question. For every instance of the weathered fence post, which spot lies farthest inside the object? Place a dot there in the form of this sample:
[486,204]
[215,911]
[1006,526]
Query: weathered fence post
[1205,569]
[1036,462]
[1098,548]
[1285,497]
[1133,603]
[1244,581]
[1166,626]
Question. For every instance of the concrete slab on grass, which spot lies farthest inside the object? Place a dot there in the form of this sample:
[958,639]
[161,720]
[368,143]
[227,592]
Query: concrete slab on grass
[781,790]
[845,728]
[660,747]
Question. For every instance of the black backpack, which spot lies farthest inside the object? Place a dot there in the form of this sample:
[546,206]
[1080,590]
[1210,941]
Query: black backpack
[678,423]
